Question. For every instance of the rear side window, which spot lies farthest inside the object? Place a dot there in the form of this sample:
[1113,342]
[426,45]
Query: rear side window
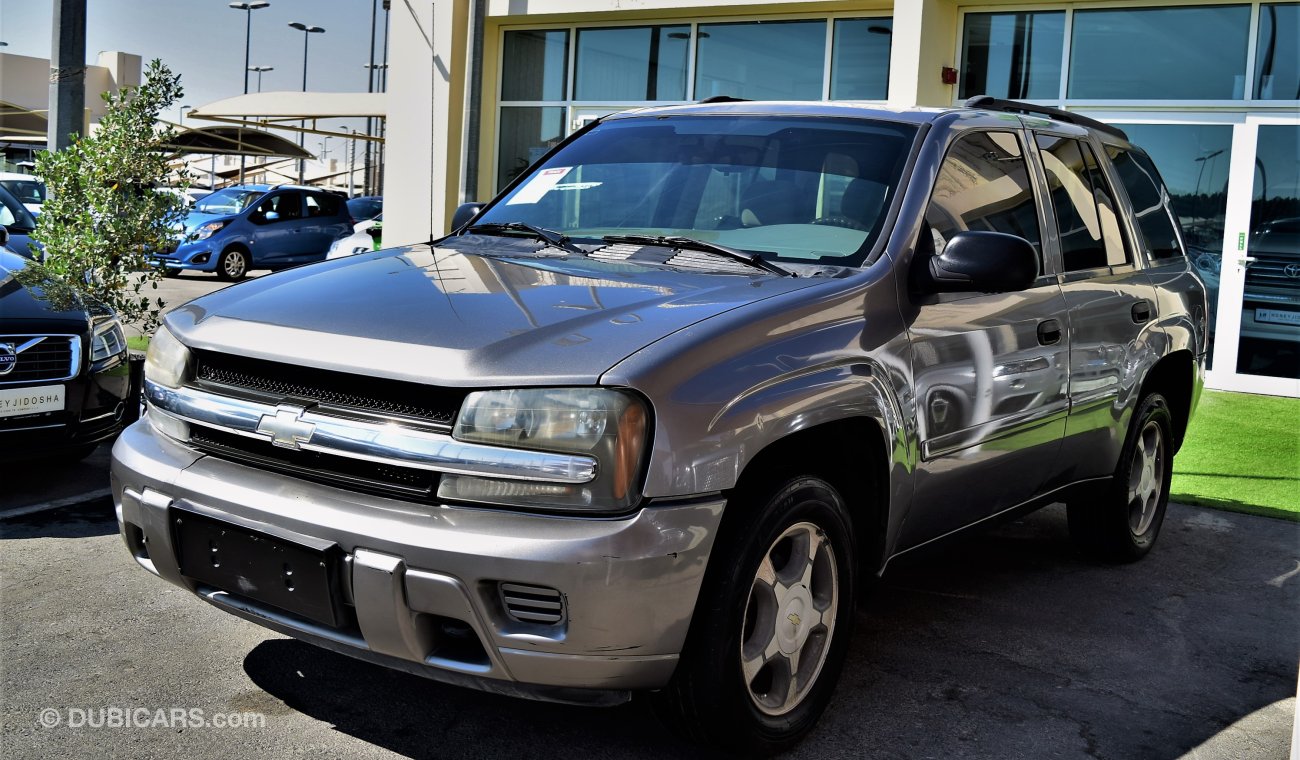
[1086,212]
[323,205]
[1151,205]
[984,184]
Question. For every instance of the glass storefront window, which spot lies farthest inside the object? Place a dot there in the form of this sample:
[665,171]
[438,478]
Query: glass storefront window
[536,63]
[1195,53]
[1277,52]
[1270,308]
[631,64]
[860,58]
[1012,55]
[527,133]
[1193,161]
[761,60]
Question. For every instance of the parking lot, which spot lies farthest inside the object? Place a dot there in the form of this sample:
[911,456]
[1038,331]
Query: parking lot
[1001,646]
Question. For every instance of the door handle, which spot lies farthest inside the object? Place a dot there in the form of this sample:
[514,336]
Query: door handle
[1049,332]
[1141,311]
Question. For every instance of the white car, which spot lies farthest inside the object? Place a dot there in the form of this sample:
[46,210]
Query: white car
[29,190]
[357,242]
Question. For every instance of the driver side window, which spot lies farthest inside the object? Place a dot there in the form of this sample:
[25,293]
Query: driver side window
[277,208]
[984,184]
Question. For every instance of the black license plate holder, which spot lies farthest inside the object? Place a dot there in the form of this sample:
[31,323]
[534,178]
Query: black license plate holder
[300,577]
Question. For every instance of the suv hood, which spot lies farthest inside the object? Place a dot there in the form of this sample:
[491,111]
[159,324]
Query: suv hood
[451,316]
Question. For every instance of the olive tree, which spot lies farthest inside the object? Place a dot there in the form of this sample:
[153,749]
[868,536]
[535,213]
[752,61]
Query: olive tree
[102,217]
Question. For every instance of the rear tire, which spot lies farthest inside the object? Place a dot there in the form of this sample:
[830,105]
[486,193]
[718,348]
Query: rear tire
[232,266]
[772,624]
[1123,522]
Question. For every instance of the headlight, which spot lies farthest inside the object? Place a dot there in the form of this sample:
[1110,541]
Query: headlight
[108,340]
[206,231]
[607,424]
[167,360]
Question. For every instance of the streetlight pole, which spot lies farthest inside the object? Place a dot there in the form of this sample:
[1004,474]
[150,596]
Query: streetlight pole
[307,32]
[248,9]
[260,70]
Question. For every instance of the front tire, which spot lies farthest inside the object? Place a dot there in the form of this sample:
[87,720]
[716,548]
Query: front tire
[232,266]
[1123,524]
[772,625]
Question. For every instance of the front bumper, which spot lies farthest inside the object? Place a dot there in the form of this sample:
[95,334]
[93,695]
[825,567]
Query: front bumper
[200,256]
[98,403]
[628,584]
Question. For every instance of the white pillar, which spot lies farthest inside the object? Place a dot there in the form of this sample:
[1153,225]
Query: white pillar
[925,40]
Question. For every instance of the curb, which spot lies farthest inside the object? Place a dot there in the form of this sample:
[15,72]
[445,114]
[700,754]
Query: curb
[66,501]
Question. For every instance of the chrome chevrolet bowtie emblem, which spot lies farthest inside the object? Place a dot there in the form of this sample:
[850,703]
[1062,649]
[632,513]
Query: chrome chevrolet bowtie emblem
[794,619]
[286,427]
[8,358]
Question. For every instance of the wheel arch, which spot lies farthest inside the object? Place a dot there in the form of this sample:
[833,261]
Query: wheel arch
[1174,377]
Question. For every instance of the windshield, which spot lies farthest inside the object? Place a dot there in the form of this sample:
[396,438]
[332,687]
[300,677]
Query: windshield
[797,189]
[362,209]
[13,215]
[232,200]
[26,190]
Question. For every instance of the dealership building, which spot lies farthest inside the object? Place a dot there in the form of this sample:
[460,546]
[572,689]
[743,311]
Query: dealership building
[479,89]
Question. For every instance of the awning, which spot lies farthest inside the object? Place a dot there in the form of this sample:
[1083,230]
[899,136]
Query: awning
[234,141]
[291,111]
[19,124]
[296,106]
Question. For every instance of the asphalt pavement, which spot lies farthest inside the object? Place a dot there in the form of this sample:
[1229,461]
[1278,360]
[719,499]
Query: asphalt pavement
[1004,645]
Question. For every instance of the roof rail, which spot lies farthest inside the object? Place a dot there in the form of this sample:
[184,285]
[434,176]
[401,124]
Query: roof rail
[990,103]
[724,99]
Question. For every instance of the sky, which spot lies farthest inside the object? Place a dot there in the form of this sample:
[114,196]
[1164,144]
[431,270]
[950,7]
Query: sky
[203,41]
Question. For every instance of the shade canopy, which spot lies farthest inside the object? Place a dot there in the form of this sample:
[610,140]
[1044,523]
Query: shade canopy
[237,141]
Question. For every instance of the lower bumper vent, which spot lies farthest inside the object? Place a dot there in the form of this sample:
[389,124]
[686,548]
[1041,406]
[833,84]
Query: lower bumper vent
[532,604]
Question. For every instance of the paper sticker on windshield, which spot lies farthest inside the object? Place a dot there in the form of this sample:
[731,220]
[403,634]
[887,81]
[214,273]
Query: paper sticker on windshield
[541,184]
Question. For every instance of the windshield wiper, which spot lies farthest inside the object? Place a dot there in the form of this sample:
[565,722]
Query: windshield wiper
[685,243]
[550,237]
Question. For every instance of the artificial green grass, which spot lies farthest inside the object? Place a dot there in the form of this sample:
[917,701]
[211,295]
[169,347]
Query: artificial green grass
[1242,453]
[138,343]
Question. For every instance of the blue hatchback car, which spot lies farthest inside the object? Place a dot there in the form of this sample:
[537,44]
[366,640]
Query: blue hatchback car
[258,227]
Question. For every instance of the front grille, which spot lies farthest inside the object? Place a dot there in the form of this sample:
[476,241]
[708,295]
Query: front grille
[343,390]
[51,359]
[1269,270]
[355,474]
[532,604]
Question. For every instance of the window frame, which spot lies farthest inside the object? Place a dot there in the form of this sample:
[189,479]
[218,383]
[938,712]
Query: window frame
[1247,102]
[571,104]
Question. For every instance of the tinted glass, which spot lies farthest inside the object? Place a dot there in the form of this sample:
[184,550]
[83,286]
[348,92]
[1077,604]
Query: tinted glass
[860,58]
[364,208]
[788,188]
[1012,55]
[642,63]
[25,190]
[13,214]
[775,60]
[323,205]
[526,135]
[984,185]
[538,64]
[1117,249]
[1270,319]
[1160,53]
[1277,53]
[1150,203]
[287,205]
[1083,245]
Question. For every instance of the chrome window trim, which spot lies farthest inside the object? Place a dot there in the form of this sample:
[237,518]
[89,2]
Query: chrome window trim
[384,443]
[74,344]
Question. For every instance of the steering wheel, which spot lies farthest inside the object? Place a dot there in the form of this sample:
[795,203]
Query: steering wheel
[838,220]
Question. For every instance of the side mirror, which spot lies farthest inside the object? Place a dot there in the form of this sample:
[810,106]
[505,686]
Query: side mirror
[4,236]
[464,214]
[271,216]
[976,261]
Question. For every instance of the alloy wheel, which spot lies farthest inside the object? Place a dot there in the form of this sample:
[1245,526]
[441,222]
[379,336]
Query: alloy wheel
[1146,478]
